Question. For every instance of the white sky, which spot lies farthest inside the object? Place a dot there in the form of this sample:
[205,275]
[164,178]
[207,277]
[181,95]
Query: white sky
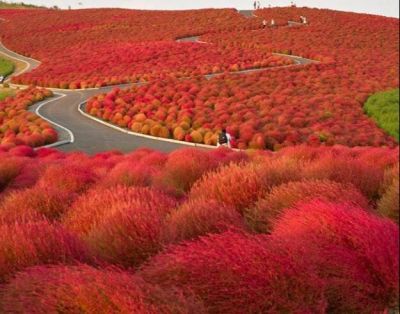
[380,7]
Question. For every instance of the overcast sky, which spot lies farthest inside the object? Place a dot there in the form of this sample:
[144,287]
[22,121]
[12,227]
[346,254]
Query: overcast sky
[381,7]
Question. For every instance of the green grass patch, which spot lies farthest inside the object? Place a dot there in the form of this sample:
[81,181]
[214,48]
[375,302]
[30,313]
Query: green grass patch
[384,109]
[6,67]
[5,93]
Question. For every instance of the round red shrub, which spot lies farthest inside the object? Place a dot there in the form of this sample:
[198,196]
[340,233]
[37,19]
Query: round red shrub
[355,252]
[236,185]
[129,173]
[9,170]
[24,245]
[35,203]
[241,185]
[238,273]
[200,217]
[23,151]
[121,225]
[271,206]
[364,176]
[67,177]
[77,289]
[183,168]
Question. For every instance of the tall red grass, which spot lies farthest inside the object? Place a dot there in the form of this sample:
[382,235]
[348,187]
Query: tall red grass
[355,252]
[83,289]
[200,217]
[282,197]
[183,168]
[238,273]
[128,174]
[67,177]
[368,178]
[121,225]
[236,185]
[9,170]
[241,185]
[30,244]
[35,203]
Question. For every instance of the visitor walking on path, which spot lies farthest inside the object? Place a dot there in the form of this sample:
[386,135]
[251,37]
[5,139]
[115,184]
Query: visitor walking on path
[258,5]
[224,139]
[303,19]
[272,23]
[255,5]
[265,23]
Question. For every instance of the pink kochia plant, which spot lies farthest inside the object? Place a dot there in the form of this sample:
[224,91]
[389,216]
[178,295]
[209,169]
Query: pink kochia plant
[121,225]
[35,203]
[67,177]
[235,185]
[24,245]
[355,252]
[285,196]
[199,218]
[238,273]
[183,168]
[83,289]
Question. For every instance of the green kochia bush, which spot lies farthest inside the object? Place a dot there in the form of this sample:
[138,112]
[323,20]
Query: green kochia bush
[384,109]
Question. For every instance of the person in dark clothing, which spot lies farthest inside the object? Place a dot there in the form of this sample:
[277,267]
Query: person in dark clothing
[224,139]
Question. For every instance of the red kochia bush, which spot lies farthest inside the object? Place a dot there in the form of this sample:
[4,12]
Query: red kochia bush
[238,273]
[183,168]
[236,185]
[128,174]
[287,195]
[364,176]
[121,225]
[83,289]
[200,217]
[240,185]
[355,252]
[9,169]
[24,245]
[35,203]
[67,177]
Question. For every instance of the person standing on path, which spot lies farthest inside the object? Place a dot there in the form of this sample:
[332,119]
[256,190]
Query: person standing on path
[265,23]
[224,139]
[255,5]
[272,23]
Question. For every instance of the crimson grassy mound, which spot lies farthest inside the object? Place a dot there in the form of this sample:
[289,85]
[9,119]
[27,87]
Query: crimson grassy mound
[191,238]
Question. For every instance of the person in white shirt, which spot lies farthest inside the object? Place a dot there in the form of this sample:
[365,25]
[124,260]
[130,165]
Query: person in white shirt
[224,139]
[265,23]
[272,23]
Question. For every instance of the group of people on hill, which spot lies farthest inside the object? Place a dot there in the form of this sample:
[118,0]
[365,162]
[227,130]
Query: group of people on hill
[265,23]
[272,23]
[257,5]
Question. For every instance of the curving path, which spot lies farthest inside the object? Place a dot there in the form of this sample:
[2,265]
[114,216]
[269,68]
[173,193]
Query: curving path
[79,133]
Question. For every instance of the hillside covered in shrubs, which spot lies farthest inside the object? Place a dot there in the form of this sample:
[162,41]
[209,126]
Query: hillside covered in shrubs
[306,229]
